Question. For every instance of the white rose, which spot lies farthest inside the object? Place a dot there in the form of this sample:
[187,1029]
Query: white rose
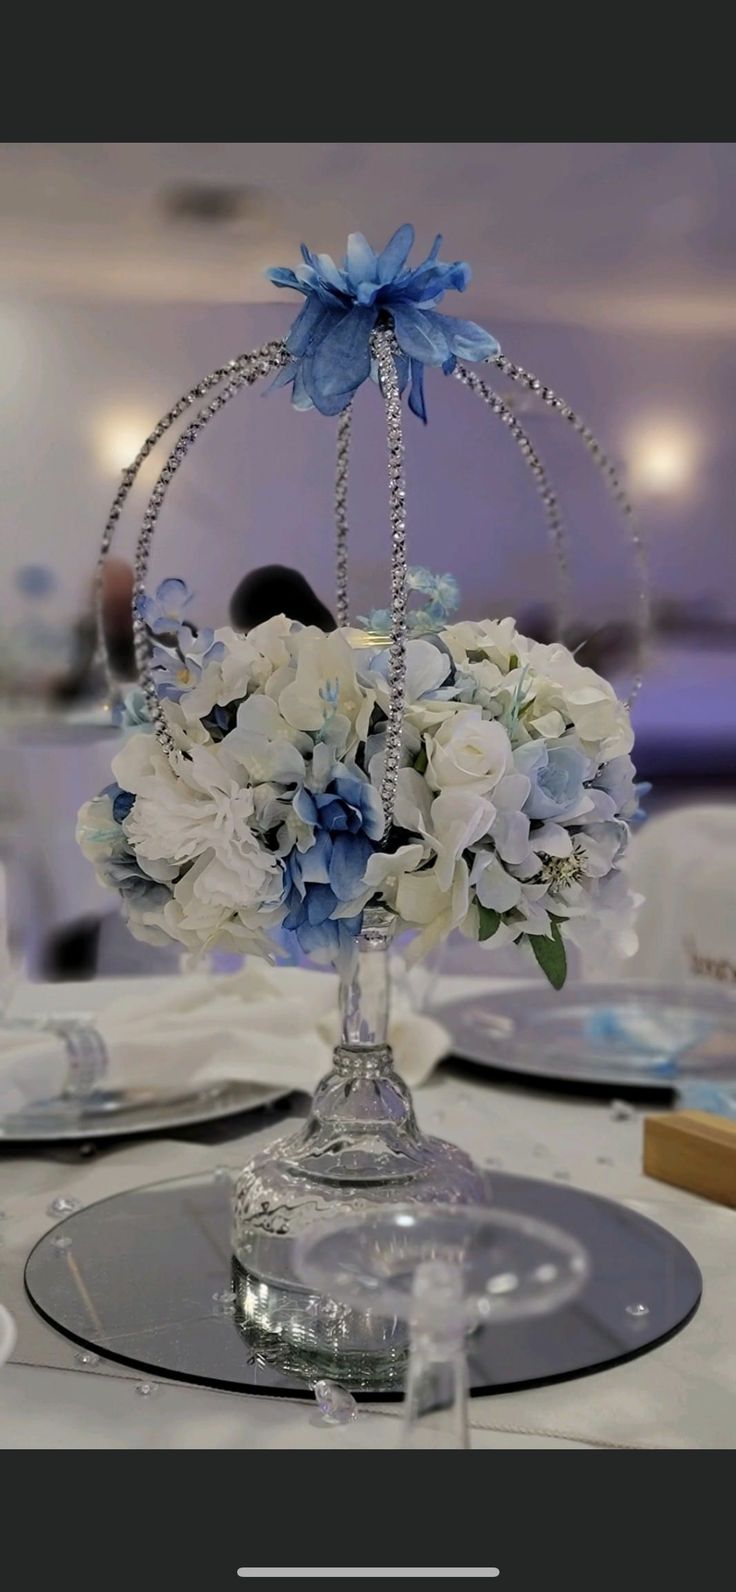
[468,750]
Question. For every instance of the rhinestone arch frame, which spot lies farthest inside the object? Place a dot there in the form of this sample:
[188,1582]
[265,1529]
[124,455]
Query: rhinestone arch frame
[243,372]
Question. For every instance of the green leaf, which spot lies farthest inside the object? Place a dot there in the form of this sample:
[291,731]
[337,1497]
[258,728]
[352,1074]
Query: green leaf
[420,762]
[489,921]
[550,954]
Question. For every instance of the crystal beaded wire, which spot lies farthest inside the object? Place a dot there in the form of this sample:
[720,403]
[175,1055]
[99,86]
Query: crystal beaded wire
[214,379]
[384,346]
[533,384]
[558,537]
[342,595]
[248,369]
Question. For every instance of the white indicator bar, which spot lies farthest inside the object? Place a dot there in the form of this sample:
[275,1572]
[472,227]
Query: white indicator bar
[254,1572]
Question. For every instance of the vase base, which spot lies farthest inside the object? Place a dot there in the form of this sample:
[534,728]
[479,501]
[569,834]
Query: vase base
[281,1193]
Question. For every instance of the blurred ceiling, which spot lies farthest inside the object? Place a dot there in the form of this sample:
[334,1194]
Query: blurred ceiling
[626,236]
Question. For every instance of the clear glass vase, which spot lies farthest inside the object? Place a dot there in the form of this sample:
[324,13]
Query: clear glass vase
[360,1147]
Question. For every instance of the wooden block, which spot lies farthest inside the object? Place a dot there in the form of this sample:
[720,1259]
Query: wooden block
[693,1150]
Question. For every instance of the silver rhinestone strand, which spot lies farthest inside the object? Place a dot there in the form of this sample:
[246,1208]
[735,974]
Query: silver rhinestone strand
[558,536]
[384,344]
[342,597]
[199,390]
[248,369]
[643,601]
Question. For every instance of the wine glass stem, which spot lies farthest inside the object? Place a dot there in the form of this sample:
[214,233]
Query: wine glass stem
[436,1399]
[436,1402]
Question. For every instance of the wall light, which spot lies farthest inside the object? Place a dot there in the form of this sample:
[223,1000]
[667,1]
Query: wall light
[118,435]
[662,456]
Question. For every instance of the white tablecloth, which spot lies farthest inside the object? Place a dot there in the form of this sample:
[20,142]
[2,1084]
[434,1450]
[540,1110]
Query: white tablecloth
[680,1395]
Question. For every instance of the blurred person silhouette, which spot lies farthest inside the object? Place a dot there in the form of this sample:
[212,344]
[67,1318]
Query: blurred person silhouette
[275,589]
[83,678]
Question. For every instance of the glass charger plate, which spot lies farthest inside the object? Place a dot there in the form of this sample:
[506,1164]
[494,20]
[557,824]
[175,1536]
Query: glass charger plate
[654,1036]
[112,1113]
[147,1278]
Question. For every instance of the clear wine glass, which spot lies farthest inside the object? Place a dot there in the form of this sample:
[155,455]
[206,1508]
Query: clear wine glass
[444,1270]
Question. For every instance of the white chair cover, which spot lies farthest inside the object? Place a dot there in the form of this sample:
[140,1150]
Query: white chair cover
[684,864]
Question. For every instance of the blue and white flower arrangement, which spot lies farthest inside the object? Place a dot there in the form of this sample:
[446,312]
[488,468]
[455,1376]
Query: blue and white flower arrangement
[512,815]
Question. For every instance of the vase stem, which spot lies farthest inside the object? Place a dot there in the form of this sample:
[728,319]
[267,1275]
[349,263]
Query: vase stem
[364,984]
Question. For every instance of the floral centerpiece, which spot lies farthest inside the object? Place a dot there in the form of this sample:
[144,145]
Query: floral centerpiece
[512,807]
[329,788]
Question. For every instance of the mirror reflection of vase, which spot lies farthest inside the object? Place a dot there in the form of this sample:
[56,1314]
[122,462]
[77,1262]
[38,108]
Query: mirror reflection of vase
[306,1335]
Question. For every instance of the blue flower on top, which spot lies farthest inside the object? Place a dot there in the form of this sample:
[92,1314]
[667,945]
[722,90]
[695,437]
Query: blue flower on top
[164,612]
[330,341]
[179,671]
[347,819]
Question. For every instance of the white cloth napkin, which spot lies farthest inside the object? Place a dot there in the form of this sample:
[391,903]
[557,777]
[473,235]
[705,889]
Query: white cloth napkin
[272,1027]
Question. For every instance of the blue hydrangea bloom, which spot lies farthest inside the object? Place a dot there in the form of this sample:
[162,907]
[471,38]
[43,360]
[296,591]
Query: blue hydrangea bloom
[164,612]
[330,341]
[347,818]
[122,802]
[123,872]
[136,712]
[378,621]
[442,592]
[179,671]
[348,805]
[440,589]
[331,941]
[618,779]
